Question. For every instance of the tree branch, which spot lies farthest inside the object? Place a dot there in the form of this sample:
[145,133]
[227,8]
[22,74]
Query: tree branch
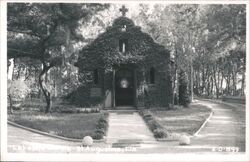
[23,32]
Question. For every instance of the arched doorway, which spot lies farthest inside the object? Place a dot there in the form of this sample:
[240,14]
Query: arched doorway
[124,87]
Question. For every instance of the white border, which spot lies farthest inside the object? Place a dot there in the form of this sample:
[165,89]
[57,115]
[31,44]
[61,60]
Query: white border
[108,157]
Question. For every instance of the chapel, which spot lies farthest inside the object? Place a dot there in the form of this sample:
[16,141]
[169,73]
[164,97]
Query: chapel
[124,68]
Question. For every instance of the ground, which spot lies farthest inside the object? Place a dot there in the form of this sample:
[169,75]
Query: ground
[224,132]
[184,120]
[76,125]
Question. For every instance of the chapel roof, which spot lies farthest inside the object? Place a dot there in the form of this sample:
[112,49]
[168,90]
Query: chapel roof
[105,46]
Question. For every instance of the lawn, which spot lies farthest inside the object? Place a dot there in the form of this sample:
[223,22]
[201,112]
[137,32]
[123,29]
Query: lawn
[185,120]
[69,125]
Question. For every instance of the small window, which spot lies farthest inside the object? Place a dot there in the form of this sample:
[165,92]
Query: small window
[152,75]
[96,76]
[123,45]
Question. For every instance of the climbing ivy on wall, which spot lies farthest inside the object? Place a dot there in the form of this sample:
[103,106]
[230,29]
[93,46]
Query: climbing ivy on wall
[141,52]
[103,52]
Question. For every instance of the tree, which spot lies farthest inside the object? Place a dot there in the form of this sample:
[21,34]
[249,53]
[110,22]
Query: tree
[184,99]
[198,36]
[43,31]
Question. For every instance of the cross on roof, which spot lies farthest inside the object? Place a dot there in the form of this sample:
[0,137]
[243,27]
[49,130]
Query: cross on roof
[123,10]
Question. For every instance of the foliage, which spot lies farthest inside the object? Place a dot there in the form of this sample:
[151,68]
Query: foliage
[153,125]
[82,94]
[159,133]
[18,89]
[101,127]
[202,37]
[103,52]
[43,31]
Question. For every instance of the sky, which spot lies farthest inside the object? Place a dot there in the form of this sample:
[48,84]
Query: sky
[92,29]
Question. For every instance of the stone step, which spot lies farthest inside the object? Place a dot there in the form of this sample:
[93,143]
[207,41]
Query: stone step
[122,111]
[125,108]
[130,141]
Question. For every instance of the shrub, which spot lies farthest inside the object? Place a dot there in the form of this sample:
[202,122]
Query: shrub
[97,136]
[152,125]
[102,125]
[103,119]
[100,130]
[17,90]
[99,133]
[159,133]
[147,117]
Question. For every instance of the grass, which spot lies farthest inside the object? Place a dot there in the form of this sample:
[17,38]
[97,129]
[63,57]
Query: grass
[184,120]
[63,124]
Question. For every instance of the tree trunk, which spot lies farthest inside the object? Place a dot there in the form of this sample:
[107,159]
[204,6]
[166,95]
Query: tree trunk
[198,81]
[42,83]
[228,84]
[216,81]
[192,83]
[221,83]
[203,80]
[11,104]
[243,77]
[10,69]
[243,84]
[176,89]
[212,87]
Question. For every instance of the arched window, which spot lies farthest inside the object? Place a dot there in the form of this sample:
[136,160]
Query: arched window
[152,75]
[96,76]
[123,45]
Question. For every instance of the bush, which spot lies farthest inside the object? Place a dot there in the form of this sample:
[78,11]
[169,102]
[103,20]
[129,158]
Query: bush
[17,90]
[148,117]
[152,125]
[100,131]
[101,127]
[159,133]
[103,119]
[97,136]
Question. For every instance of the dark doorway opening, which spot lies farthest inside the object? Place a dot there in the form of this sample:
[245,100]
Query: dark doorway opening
[124,87]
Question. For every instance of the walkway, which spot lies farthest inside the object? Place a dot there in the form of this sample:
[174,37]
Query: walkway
[226,128]
[127,128]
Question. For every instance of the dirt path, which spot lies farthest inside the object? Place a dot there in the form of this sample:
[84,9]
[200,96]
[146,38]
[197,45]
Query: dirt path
[225,129]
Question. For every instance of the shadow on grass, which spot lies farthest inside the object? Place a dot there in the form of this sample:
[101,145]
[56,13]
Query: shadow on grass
[185,120]
[63,124]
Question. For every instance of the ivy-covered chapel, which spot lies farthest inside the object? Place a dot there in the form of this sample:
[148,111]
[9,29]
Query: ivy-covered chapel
[124,67]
